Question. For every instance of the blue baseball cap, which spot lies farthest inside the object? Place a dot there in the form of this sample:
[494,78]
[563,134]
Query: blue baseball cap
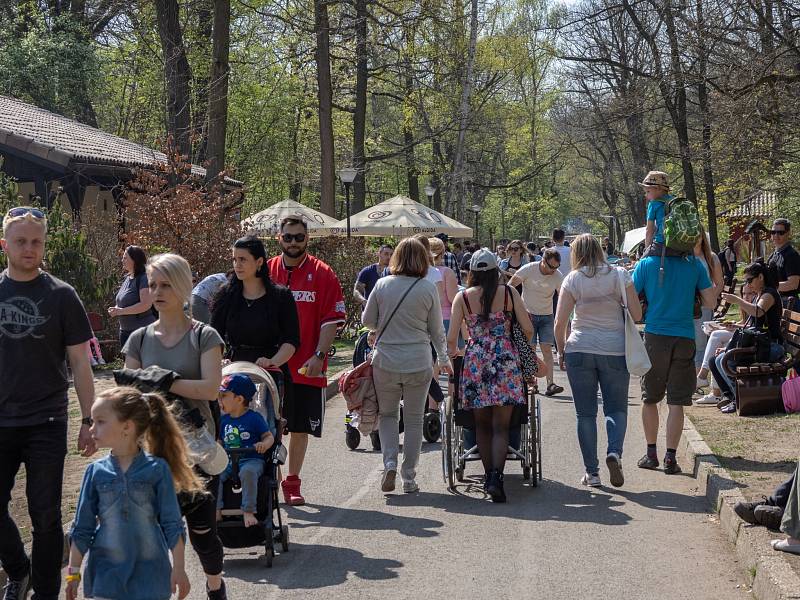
[238,384]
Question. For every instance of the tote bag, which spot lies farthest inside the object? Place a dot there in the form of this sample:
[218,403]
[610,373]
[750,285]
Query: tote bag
[635,353]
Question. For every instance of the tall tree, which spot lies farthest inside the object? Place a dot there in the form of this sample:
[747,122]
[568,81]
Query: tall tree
[360,112]
[218,91]
[322,54]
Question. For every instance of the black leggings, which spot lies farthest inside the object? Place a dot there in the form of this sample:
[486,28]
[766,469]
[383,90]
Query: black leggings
[491,430]
[201,520]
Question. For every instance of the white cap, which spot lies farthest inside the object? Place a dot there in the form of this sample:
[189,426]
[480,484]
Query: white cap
[483,260]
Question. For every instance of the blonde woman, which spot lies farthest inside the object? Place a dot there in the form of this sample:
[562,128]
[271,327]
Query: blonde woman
[594,353]
[449,288]
[193,350]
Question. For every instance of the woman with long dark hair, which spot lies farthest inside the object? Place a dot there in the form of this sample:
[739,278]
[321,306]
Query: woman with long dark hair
[133,305]
[491,380]
[764,312]
[256,317]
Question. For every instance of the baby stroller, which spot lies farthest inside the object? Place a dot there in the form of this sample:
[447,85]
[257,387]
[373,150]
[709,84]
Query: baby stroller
[270,529]
[459,446]
[431,425]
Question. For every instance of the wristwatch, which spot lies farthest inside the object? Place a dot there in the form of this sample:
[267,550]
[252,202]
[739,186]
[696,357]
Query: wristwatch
[320,354]
[87,421]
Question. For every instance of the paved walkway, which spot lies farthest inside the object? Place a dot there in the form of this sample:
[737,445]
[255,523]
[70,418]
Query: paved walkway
[653,538]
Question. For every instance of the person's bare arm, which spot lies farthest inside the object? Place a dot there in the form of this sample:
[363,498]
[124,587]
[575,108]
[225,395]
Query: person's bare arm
[83,379]
[451,285]
[791,284]
[523,318]
[327,334]
[757,310]
[709,296]
[360,292]
[566,303]
[211,373]
[456,318]
[515,280]
[144,304]
[649,233]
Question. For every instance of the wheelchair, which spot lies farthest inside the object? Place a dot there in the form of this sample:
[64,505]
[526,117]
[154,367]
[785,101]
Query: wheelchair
[431,424]
[271,530]
[459,446]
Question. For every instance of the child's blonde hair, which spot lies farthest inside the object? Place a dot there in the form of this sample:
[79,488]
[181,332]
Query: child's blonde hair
[158,429]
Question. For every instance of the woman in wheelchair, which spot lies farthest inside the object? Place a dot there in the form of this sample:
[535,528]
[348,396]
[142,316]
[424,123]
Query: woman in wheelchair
[491,380]
[242,428]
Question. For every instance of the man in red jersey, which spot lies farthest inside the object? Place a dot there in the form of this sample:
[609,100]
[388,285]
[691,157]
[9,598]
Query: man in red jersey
[320,308]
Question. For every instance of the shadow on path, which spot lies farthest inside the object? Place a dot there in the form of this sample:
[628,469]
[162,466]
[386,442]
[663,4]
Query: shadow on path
[319,515]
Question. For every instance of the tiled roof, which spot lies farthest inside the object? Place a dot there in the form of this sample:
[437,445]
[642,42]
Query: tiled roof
[60,140]
[760,204]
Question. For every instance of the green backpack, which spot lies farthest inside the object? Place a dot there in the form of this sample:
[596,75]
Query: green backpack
[681,226]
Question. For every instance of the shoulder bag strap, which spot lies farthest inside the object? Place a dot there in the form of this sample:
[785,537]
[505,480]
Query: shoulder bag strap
[389,320]
[466,301]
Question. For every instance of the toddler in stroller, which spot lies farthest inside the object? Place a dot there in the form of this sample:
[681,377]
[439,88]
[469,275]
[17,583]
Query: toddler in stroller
[252,439]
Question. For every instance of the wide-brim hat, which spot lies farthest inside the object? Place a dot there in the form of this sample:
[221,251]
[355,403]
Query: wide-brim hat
[655,179]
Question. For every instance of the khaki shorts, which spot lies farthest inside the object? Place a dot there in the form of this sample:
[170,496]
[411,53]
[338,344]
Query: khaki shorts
[673,370]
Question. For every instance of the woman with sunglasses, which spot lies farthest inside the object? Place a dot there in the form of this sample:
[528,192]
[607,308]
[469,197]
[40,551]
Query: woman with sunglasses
[764,313]
[256,317]
[517,258]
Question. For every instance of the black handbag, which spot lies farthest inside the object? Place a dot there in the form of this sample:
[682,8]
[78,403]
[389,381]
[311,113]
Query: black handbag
[750,337]
[527,357]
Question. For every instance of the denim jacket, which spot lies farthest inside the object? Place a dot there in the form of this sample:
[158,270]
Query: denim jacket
[127,522]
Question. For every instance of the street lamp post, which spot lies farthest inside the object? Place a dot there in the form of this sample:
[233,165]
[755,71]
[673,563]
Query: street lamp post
[476,209]
[347,175]
[429,192]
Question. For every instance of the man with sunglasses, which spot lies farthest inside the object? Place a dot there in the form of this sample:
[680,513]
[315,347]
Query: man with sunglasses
[540,281]
[320,309]
[785,259]
[42,323]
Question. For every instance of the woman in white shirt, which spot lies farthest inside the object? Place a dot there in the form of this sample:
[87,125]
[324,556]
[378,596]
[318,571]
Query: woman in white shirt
[594,354]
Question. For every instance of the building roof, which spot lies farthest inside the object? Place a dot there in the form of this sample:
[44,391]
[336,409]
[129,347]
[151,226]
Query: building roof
[760,204]
[62,141]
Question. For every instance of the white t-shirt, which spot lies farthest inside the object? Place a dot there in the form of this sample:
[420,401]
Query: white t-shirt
[434,275]
[538,289]
[566,265]
[598,326]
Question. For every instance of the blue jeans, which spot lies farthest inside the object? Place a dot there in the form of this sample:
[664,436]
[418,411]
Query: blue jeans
[700,338]
[543,329]
[728,385]
[585,371]
[249,472]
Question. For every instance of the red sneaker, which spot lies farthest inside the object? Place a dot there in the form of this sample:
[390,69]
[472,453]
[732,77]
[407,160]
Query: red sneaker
[291,491]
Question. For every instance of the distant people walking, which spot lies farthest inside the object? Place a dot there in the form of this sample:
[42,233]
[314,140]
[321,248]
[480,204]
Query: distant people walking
[449,288]
[193,350]
[369,275]
[320,310]
[516,259]
[727,259]
[594,353]
[450,259]
[491,380]
[404,309]
[785,259]
[133,305]
[669,339]
[540,282]
[129,536]
[42,322]
[204,294]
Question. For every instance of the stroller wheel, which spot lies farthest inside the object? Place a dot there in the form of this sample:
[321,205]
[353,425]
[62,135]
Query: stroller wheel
[460,474]
[432,427]
[285,538]
[375,438]
[269,555]
[352,438]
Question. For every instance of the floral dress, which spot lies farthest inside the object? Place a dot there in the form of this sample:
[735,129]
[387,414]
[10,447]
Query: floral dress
[491,375]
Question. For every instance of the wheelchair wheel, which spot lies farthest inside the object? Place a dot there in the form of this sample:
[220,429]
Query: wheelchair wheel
[538,445]
[449,459]
[269,555]
[375,439]
[285,538]
[352,437]
[431,427]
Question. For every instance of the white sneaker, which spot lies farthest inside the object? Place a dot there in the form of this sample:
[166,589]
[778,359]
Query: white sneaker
[410,486]
[701,383]
[708,399]
[591,480]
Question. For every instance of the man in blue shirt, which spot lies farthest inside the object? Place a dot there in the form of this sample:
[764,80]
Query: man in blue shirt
[368,276]
[669,339]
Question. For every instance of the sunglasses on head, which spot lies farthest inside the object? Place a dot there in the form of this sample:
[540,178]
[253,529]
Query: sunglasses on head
[289,237]
[777,232]
[21,211]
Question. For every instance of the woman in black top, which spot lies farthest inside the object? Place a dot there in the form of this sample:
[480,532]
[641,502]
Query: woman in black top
[133,305]
[764,313]
[256,317]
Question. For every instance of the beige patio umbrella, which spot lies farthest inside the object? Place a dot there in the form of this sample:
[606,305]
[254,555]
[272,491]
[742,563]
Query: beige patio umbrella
[399,217]
[267,222]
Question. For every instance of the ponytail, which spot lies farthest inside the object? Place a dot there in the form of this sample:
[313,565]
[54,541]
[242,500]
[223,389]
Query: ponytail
[163,438]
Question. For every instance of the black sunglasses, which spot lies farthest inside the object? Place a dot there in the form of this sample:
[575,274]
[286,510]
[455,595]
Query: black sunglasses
[777,232]
[749,280]
[515,249]
[551,267]
[21,211]
[288,237]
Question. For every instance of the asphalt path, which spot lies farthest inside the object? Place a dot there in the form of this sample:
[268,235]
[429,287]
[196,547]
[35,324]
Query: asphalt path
[653,538]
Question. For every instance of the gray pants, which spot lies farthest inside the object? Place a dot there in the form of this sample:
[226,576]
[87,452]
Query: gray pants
[790,525]
[390,387]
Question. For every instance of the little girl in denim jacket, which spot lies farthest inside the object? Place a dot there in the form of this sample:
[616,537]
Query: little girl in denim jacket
[128,517]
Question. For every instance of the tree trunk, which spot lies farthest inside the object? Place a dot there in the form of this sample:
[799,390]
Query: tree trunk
[218,90]
[436,180]
[360,114]
[177,75]
[205,31]
[457,195]
[322,56]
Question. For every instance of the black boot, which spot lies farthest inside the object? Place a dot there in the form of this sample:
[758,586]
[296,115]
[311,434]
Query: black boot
[495,486]
[219,594]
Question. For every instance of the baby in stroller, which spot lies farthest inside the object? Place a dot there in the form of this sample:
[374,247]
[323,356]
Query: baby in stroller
[243,428]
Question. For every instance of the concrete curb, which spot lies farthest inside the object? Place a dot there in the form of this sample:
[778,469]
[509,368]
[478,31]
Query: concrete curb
[769,573]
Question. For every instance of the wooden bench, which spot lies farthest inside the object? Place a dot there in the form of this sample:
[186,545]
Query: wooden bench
[722,307]
[758,386]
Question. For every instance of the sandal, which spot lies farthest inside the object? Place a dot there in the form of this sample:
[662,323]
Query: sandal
[553,389]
